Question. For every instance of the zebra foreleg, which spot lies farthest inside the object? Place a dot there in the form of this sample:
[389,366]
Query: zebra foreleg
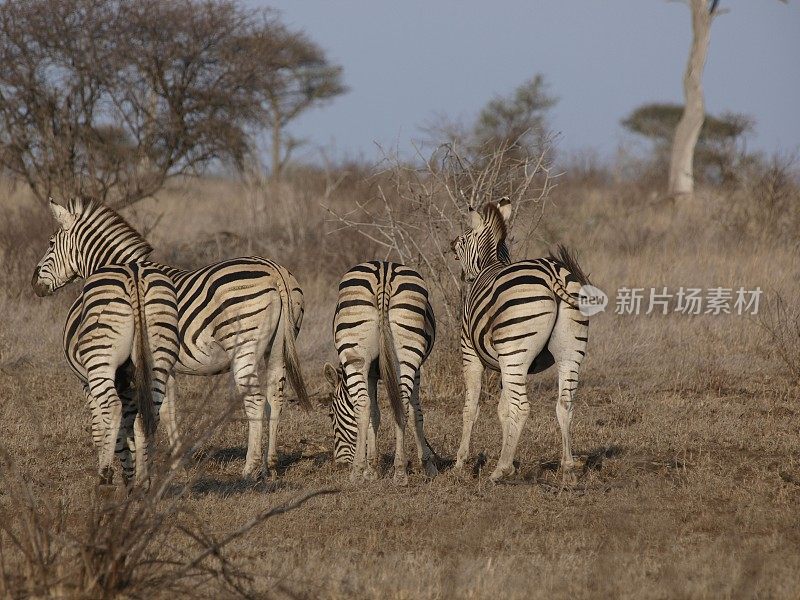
[473,372]
[356,380]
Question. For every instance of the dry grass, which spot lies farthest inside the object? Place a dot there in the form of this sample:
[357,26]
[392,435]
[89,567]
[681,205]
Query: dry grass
[689,425]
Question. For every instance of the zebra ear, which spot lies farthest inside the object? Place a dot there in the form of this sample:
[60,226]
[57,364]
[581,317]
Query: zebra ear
[504,206]
[64,218]
[476,220]
[331,374]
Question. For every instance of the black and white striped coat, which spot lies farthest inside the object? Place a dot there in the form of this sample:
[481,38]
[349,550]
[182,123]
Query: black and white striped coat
[123,345]
[383,328]
[519,318]
[230,314]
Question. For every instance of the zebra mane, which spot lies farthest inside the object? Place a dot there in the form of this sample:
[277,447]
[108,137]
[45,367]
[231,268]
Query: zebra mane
[497,225]
[128,244]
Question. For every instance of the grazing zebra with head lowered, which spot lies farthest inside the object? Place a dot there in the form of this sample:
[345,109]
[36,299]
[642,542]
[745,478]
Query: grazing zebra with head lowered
[383,328]
[230,314]
[519,318]
[123,346]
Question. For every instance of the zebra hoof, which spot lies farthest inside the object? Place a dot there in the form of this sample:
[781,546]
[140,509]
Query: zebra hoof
[253,473]
[106,492]
[430,469]
[499,474]
[106,476]
[370,474]
[400,477]
[569,477]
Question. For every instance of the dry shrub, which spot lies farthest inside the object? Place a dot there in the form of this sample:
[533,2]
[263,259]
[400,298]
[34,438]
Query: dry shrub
[781,323]
[147,543]
[416,211]
[24,230]
[765,203]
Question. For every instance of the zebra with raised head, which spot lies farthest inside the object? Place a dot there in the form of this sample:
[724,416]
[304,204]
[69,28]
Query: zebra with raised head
[383,328]
[123,346]
[231,314]
[519,318]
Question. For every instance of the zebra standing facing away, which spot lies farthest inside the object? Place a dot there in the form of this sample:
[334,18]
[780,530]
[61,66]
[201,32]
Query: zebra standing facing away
[383,328]
[519,318]
[230,314]
[123,347]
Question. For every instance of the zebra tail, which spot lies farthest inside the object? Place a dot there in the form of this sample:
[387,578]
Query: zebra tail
[567,258]
[389,367]
[143,363]
[290,357]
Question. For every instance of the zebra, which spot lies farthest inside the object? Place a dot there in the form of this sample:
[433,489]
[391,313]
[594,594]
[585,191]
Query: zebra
[230,314]
[123,346]
[518,318]
[384,328]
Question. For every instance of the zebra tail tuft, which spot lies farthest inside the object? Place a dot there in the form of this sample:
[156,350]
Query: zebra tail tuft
[570,261]
[143,363]
[389,366]
[290,357]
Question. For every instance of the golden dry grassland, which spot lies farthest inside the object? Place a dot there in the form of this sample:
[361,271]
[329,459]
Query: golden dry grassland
[689,425]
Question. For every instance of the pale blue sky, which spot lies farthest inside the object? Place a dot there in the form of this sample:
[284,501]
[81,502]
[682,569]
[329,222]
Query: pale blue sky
[406,60]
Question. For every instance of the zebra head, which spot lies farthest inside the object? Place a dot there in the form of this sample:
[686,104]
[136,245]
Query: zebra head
[90,235]
[343,416]
[485,242]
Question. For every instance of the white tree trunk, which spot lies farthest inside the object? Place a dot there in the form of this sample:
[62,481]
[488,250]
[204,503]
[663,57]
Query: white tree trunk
[681,167]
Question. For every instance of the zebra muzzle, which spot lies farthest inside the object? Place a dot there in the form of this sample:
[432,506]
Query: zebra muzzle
[39,287]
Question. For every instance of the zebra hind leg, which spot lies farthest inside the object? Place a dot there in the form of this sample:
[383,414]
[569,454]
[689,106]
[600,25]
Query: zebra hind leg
[126,444]
[374,422]
[98,432]
[473,372]
[567,382]
[245,376]
[169,418]
[276,380]
[415,414]
[514,400]
[107,417]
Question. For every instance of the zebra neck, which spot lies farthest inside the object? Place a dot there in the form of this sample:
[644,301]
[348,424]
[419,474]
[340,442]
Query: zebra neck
[97,258]
[491,261]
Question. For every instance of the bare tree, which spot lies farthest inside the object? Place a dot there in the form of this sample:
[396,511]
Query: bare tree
[110,98]
[681,167]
